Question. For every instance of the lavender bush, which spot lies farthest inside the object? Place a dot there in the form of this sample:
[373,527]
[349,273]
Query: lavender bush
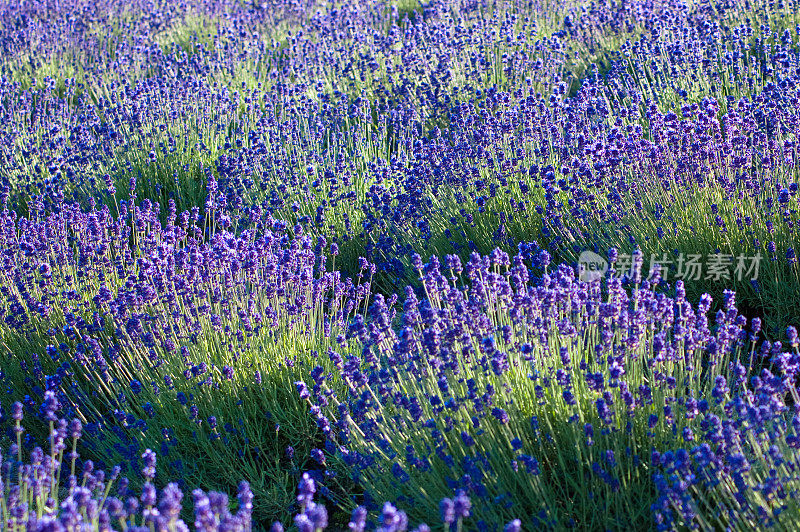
[160,338]
[59,491]
[547,399]
[741,473]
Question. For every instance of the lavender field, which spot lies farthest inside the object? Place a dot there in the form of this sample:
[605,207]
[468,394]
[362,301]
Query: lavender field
[369,264]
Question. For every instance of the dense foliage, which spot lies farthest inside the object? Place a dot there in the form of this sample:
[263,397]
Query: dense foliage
[339,250]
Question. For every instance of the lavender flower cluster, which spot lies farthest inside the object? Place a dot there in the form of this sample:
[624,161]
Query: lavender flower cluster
[169,337]
[468,149]
[313,517]
[34,497]
[742,470]
[526,393]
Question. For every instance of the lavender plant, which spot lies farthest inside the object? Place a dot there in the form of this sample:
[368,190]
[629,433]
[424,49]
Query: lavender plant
[540,399]
[741,473]
[59,491]
[313,517]
[157,338]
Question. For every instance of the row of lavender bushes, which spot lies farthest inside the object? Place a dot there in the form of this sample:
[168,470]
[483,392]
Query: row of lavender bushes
[393,134]
[575,404]
[179,320]
[559,402]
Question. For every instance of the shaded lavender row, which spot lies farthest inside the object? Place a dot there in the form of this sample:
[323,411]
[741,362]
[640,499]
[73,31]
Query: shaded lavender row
[60,492]
[35,499]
